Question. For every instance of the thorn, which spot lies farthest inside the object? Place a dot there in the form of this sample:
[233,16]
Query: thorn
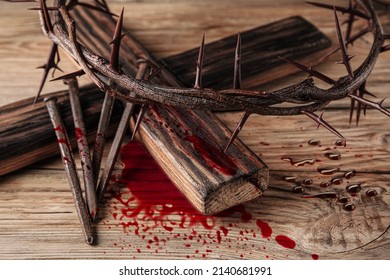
[311,71]
[359,108]
[346,57]
[155,69]
[51,63]
[46,17]
[116,43]
[153,73]
[378,106]
[352,108]
[237,64]
[74,74]
[237,130]
[40,9]
[350,21]
[364,90]
[364,109]
[385,48]
[351,40]
[199,65]
[384,3]
[321,121]
[77,50]
[340,9]
[139,120]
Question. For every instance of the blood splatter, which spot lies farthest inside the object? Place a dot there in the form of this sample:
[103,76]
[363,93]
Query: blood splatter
[145,204]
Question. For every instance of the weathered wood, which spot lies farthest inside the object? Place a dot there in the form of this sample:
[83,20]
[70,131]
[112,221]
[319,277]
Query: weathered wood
[37,217]
[26,133]
[294,38]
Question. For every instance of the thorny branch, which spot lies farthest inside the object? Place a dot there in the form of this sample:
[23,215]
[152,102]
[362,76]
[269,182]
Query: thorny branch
[303,98]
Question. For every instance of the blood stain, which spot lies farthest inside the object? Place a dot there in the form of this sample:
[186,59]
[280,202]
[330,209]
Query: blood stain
[79,133]
[265,229]
[147,202]
[314,256]
[152,196]
[285,241]
[213,156]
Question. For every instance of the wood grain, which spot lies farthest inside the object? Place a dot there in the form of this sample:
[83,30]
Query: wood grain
[293,38]
[37,219]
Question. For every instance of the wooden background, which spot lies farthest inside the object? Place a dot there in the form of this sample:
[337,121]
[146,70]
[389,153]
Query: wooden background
[37,217]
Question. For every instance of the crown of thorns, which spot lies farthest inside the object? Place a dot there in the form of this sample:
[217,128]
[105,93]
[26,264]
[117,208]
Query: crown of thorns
[301,98]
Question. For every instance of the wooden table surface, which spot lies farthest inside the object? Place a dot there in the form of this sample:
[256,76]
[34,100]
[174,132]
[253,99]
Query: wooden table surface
[37,216]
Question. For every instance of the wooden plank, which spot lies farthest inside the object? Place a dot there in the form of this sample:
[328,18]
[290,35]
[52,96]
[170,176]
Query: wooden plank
[27,135]
[294,38]
[211,180]
[37,217]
